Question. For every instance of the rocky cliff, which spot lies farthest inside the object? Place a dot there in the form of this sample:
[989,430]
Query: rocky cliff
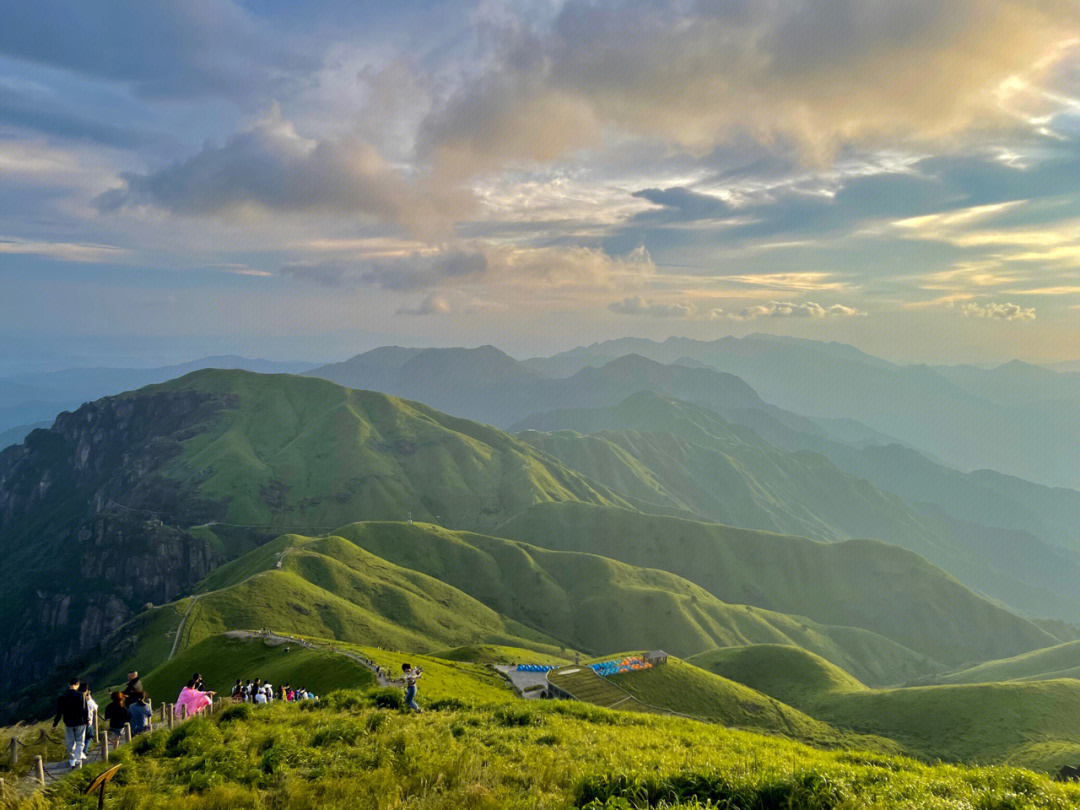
[91,529]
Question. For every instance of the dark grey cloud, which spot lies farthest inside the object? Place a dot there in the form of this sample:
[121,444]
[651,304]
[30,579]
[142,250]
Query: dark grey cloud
[271,168]
[403,274]
[163,48]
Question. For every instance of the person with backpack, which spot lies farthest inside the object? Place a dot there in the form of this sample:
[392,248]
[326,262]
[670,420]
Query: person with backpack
[71,708]
[238,692]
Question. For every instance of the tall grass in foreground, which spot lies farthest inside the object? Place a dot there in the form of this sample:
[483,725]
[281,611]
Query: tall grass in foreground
[357,750]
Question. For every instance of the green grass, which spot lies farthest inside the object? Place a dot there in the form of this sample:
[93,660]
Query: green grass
[497,654]
[221,660]
[681,687]
[856,583]
[788,674]
[443,680]
[345,753]
[1031,724]
[1059,661]
[304,452]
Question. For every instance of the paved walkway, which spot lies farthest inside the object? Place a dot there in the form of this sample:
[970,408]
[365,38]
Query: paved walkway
[529,685]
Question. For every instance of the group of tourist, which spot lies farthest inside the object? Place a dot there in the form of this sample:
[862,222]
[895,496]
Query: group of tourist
[259,692]
[78,709]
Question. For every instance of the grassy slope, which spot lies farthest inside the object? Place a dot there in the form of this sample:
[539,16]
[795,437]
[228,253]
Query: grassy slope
[1031,724]
[344,753]
[298,451]
[496,654]
[679,455]
[685,456]
[327,588]
[221,660]
[788,674]
[1060,661]
[598,604]
[681,687]
[858,583]
[422,587]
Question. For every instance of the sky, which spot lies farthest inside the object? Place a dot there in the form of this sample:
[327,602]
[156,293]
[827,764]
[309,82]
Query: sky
[309,180]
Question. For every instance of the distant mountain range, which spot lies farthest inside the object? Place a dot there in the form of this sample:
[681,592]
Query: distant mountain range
[1016,419]
[645,495]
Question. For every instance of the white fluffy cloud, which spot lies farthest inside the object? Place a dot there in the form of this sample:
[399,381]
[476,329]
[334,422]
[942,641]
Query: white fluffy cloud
[636,305]
[787,309]
[998,311]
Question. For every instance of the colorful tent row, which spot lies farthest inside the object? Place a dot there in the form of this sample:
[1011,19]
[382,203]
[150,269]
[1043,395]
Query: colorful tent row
[534,668]
[617,667]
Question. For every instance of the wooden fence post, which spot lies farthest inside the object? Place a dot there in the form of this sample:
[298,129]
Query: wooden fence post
[40,766]
[127,733]
[95,726]
[105,747]
[14,753]
[169,712]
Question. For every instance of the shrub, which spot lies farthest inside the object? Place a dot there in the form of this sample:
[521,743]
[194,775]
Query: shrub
[387,698]
[241,711]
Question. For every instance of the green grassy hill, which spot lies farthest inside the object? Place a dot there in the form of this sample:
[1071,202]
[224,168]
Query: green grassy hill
[1060,661]
[222,659]
[679,454]
[595,603]
[422,587]
[789,674]
[676,455]
[855,583]
[300,451]
[346,753]
[1029,724]
[681,687]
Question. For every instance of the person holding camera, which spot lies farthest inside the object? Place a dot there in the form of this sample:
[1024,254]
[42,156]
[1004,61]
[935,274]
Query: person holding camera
[411,677]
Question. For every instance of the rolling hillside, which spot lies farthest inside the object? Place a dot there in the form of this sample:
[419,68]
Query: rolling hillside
[671,453]
[1026,724]
[857,583]
[1060,661]
[135,498]
[425,588]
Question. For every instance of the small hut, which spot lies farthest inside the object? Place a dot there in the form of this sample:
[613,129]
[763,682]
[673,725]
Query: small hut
[655,657]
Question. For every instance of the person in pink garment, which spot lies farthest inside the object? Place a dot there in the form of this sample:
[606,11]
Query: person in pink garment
[192,699]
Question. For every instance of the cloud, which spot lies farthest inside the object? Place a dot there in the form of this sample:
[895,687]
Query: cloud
[819,75]
[636,305]
[67,251]
[999,312]
[786,309]
[271,168]
[414,271]
[183,49]
[433,304]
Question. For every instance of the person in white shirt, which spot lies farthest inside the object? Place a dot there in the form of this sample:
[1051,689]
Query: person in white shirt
[91,712]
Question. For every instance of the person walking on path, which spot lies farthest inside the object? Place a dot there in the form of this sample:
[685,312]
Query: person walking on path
[117,715]
[140,716]
[71,708]
[134,689]
[191,700]
[411,677]
[91,715]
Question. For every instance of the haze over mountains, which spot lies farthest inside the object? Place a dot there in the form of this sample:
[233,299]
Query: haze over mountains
[422,499]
